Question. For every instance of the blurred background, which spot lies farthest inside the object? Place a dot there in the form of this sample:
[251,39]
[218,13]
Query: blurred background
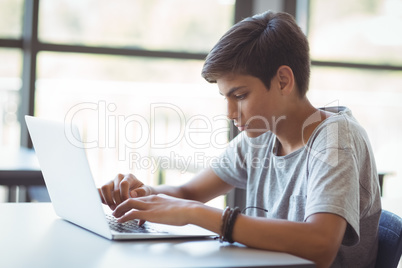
[129,66]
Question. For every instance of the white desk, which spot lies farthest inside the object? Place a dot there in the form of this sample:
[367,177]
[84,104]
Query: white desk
[44,240]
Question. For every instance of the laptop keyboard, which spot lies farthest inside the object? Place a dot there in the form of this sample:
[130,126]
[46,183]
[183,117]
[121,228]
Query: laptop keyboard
[128,227]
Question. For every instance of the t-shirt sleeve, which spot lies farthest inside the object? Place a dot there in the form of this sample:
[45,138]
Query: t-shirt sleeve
[231,165]
[333,185]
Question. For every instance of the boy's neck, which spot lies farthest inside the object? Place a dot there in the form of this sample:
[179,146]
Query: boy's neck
[301,121]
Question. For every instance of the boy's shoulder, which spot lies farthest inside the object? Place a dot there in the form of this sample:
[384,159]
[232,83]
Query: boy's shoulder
[340,130]
[343,119]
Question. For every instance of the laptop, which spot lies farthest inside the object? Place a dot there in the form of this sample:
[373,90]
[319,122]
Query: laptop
[72,190]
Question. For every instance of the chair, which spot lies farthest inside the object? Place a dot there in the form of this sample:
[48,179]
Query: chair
[390,240]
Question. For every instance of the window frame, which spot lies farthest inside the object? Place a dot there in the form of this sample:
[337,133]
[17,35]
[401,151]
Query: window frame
[30,46]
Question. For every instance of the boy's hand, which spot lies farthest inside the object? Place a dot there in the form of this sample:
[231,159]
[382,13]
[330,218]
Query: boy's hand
[156,208]
[122,188]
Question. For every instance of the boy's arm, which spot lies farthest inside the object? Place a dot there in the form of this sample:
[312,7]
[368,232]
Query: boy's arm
[203,187]
[318,239]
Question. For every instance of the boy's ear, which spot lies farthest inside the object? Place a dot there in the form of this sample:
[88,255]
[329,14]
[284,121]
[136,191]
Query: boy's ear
[286,79]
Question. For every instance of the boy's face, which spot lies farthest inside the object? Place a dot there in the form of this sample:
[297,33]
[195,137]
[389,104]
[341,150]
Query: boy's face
[250,105]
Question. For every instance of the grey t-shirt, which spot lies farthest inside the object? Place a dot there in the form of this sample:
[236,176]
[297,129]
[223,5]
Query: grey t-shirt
[334,172]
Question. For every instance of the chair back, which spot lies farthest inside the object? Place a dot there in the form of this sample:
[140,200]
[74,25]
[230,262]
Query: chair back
[390,240]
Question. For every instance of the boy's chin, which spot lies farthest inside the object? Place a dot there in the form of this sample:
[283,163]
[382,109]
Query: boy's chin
[253,133]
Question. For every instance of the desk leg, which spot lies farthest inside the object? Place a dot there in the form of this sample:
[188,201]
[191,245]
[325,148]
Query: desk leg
[17,193]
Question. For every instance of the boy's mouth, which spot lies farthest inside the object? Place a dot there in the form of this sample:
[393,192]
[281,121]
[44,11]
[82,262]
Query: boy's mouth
[240,127]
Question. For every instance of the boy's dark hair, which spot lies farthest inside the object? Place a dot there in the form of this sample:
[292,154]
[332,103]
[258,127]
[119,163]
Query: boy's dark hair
[258,46]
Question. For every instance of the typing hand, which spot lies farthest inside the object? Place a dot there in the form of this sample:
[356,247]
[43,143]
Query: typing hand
[122,188]
[156,208]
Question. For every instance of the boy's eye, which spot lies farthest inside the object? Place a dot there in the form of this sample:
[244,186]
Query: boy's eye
[241,96]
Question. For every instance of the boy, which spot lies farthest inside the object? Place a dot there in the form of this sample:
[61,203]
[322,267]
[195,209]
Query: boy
[310,174]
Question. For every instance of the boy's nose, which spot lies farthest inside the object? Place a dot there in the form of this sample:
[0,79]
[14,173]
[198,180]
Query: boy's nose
[232,112]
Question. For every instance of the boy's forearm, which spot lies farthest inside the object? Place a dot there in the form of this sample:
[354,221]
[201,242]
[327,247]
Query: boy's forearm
[305,239]
[174,191]
[205,216]
[317,239]
[205,186]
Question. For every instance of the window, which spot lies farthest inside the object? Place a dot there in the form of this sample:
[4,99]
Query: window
[10,72]
[162,113]
[175,25]
[11,18]
[357,62]
[10,84]
[362,31]
[127,73]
